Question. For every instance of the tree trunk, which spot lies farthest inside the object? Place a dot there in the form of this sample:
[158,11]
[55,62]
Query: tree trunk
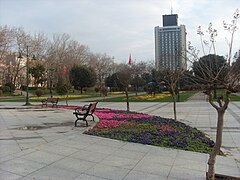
[215,92]
[136,89]
[67,99]
[174,106]
[217,146]
[173,93]
[16,74]
[126,92]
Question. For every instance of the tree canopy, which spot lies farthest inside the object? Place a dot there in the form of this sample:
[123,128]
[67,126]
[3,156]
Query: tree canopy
[211,68]
[82,76]
[38,72]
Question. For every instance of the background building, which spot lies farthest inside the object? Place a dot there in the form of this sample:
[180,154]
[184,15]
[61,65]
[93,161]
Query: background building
[170,44]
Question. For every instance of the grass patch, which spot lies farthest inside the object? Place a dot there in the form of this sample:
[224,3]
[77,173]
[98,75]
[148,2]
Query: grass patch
[161,97]
[222,92]
[32,98]
[234,98]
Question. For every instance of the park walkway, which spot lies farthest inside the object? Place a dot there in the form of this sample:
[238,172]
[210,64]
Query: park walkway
[41,143]
[54,149]
[200,97]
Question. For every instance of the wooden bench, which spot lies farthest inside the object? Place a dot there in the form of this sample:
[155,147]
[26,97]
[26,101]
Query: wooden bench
[82,113]
[54,102]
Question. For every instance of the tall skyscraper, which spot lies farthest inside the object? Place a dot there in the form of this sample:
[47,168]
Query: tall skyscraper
[170,44]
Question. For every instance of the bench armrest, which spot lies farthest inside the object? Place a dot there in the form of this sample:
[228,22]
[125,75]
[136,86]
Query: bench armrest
[80,110]
[85,107]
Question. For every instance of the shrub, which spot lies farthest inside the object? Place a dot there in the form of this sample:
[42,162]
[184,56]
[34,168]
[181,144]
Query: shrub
[6,89]
[104,91]
[11,86]
[97,89]
[61,87]
[33,88]
[39,92]
[85,90]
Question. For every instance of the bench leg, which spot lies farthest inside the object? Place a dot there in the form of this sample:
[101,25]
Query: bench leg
[44,105]
[76,123]
[82,120]
[92,116]
[54,105]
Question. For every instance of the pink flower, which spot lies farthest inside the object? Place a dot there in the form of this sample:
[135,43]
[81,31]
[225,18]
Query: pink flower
[112,124]
[165,128]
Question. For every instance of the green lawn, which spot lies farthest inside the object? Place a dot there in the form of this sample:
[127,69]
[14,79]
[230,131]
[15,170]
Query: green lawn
[234,98]
[34,98]
[161,97]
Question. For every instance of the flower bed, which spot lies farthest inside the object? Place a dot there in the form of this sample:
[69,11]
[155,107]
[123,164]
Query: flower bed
[152,130]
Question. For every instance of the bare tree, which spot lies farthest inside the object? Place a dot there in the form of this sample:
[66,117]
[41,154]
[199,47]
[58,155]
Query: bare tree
[218,76]
[123,79]
[7,39]
[59,54]
[103,65]
[138,69]
[63,53]
[171,75]
[171,79]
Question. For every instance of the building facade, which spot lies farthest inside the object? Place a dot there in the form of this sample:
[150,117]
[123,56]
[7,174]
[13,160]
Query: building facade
[170,44]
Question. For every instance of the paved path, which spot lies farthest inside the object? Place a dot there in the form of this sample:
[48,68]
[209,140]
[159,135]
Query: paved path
[54,149]
[198,97]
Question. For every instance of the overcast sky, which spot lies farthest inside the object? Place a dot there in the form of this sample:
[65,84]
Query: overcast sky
[119,27]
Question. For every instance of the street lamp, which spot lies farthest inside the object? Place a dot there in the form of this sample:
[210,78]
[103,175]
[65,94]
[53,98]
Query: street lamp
[27,74]
[51,79]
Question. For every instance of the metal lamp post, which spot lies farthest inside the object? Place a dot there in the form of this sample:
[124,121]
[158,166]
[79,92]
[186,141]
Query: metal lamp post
[51,78]
[27,75]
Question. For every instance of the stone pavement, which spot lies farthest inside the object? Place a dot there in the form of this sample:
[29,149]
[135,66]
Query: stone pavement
[43,144]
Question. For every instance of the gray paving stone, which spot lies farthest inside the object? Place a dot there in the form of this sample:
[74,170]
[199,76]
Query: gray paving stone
[188,155]
[101,148]
[162,159]
[129,154]
[138,175]
[75,165]
[153,168]
[111,142]
[88,177]
[190,164]
[108,172]
[21,166]
[162,151]
[4,175]
[89,156]
[121,162]
[58,149]
[136,147]
[53,173]
[232,170]
[183,174]
[74,144]
[43,157]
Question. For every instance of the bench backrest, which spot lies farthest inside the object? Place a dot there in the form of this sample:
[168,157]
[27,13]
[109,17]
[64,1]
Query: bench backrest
[52,99]
[92,108]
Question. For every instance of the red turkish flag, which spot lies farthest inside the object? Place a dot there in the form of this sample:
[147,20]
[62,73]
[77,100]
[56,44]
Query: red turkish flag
[130,59]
